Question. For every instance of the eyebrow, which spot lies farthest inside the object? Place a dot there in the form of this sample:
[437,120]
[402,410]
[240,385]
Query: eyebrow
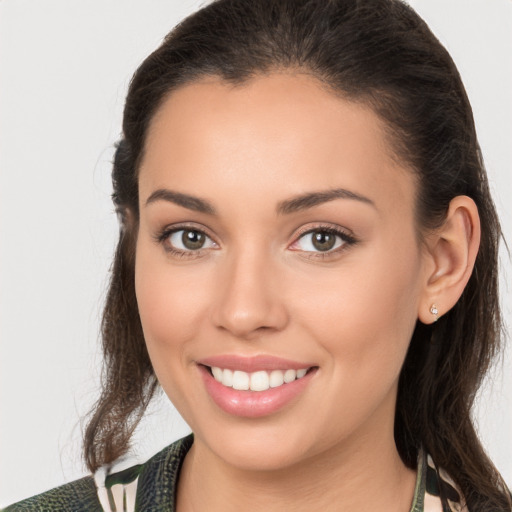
[295,204]
[187,201]
[311,199]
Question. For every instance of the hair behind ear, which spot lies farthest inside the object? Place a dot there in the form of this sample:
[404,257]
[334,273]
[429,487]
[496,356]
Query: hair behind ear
[128,380]
[448,359]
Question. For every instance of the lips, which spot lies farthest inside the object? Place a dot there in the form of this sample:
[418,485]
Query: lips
[254,363]
[255,386]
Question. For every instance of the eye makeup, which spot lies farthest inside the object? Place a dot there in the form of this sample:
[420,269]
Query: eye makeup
[321,241]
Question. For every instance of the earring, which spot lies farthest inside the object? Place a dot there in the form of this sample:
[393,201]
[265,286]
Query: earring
[435,312]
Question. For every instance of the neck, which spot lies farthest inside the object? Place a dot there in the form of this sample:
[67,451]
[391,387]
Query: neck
[363,475]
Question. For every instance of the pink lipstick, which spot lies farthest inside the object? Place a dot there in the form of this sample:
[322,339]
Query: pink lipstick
[252,387]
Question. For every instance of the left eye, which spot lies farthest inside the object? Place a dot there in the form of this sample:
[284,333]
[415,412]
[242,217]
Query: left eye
[319,240]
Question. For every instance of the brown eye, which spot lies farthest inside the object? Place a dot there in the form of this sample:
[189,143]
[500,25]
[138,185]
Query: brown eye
[187,240]
[323,240]
[192,240]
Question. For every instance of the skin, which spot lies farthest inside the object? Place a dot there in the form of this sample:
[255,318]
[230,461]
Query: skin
[258,287]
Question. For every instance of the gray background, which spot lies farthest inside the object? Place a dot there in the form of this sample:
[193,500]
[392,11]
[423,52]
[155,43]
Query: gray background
[64,69]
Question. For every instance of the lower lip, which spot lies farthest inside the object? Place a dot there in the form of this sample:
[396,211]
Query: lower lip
[253,404]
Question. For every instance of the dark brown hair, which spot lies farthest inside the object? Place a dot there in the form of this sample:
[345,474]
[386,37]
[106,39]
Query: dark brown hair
[376,52]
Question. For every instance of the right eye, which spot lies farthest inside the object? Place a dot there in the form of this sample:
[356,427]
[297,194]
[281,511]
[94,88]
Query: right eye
[188,240]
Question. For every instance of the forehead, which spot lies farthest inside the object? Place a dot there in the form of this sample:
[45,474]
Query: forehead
[281,133]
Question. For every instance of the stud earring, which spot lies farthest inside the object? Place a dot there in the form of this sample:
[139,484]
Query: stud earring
[435,312]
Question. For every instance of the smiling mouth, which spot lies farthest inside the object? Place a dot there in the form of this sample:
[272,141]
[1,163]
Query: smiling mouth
[255,381]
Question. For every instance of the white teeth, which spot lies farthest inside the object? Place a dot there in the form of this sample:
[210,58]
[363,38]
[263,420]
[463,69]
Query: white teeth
[217,373]
[290,375]
[276,378]
[259,381]
[256,381]
[240,380]
[227,378]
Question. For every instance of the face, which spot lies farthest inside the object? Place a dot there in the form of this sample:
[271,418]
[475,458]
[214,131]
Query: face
[278,273]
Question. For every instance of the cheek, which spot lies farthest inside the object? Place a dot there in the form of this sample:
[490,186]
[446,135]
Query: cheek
[363,321]
[171,305]
[364,315]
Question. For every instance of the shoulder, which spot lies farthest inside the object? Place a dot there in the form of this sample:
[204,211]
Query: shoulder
[79,496]
[148,486]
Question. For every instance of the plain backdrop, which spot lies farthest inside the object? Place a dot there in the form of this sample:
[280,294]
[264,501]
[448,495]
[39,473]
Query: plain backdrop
[64,69]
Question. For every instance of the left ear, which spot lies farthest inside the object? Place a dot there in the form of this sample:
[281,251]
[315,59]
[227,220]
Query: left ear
[451,253]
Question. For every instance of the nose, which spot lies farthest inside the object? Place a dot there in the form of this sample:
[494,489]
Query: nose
[249,301]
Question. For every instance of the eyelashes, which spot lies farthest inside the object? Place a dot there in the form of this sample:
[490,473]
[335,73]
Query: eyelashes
[322,241]
[317,242]
[185,241]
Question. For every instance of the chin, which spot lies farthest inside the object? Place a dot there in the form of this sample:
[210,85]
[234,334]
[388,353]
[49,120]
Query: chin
[265,457]
[260,447]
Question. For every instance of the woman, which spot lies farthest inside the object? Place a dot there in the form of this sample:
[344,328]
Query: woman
[306,265]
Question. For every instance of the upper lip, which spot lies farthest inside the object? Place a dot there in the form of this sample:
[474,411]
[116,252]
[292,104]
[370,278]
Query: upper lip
[253,363]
